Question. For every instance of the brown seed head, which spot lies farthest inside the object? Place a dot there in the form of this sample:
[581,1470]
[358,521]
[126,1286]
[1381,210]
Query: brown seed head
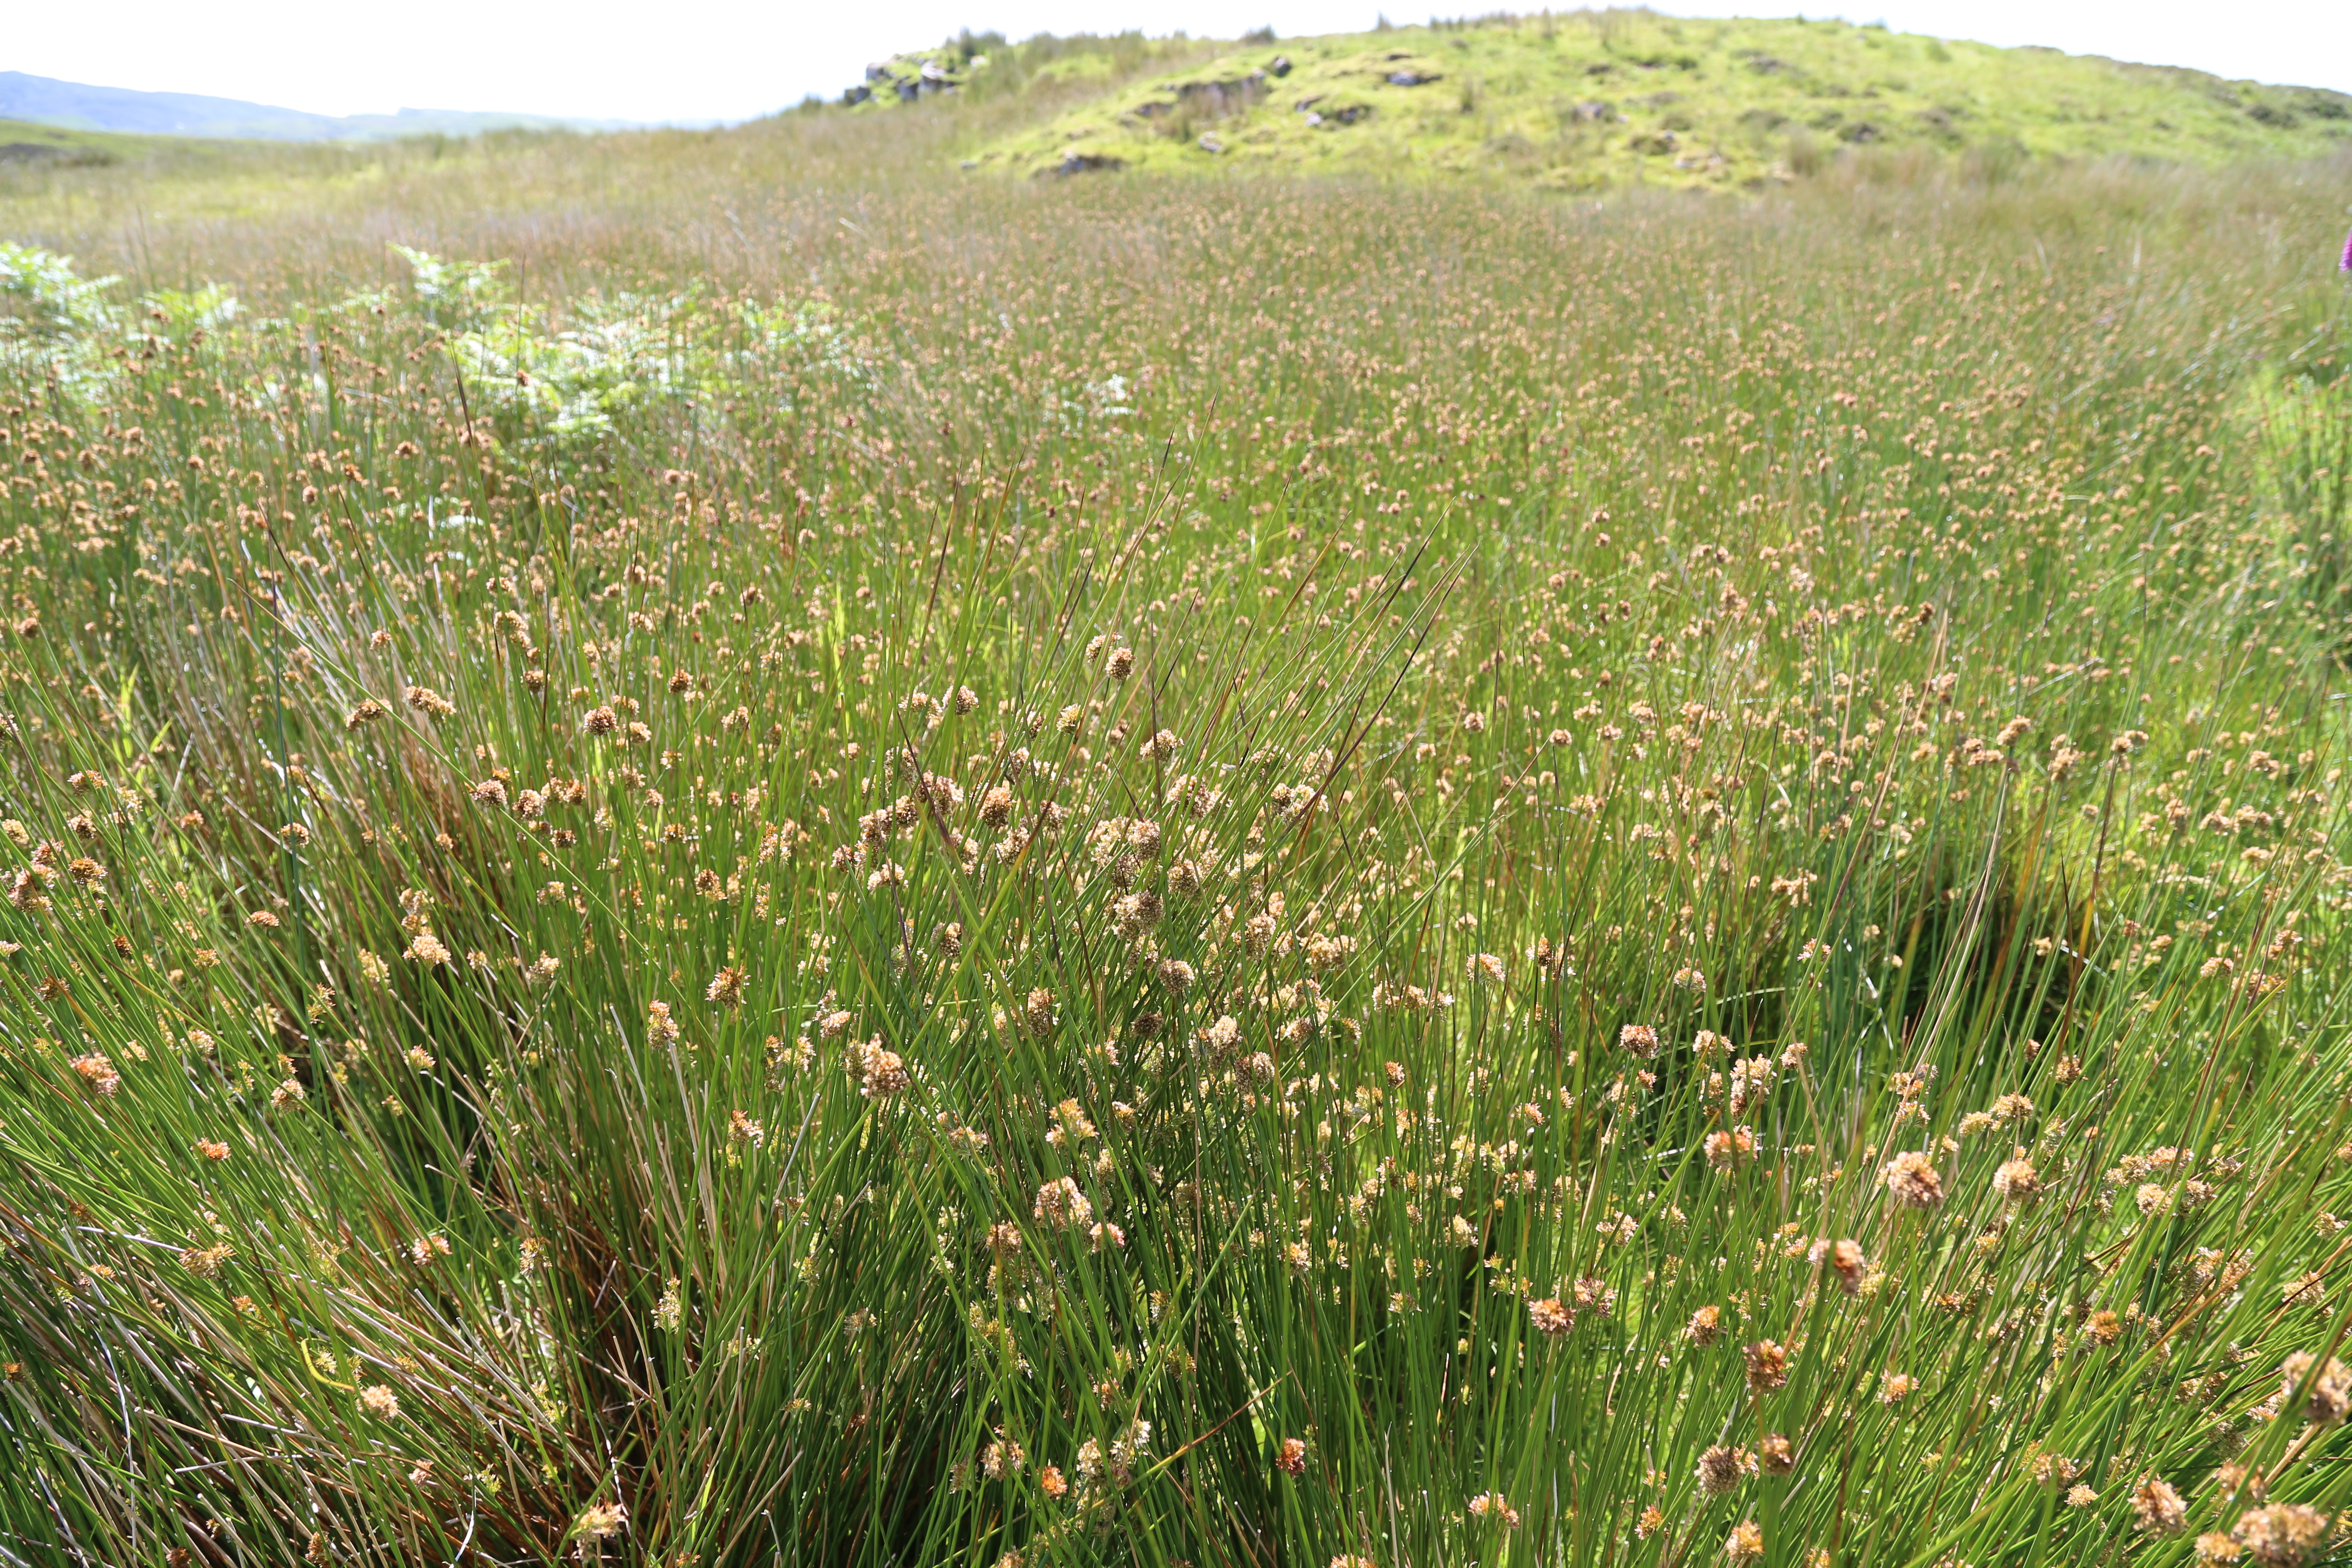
[1721,1469]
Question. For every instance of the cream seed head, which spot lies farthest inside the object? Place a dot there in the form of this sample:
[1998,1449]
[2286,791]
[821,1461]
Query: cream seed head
[1061,1204]
[97,1071]
[429,702]
[1912,1179]
[2329,1393]
[25,891]
[2283,1536]
[206,1262]
[1492,1507]
[881,1074]
[601,1521]
[2158,1509]
[2017,1181]
[727,987]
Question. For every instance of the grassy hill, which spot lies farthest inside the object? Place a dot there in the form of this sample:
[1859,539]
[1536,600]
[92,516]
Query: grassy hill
[1045,70]
[28,142]
[1610,99]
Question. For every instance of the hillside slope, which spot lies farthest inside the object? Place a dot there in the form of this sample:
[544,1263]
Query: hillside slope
[1597,99]
[26,143]
[81,106]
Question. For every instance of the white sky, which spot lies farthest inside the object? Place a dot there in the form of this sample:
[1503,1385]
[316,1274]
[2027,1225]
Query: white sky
[731,59]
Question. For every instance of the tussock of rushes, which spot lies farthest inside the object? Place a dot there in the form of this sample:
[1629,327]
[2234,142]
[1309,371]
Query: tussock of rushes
[1551,900]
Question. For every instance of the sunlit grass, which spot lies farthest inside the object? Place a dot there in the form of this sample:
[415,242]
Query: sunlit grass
[1598,99]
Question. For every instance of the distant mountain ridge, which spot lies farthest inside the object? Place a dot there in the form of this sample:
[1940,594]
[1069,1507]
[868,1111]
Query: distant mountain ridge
[81,106]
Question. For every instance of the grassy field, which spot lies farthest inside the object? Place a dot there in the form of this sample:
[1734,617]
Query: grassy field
[766,855]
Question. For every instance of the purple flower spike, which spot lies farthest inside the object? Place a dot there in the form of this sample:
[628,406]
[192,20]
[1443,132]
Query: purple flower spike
[2346,265]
